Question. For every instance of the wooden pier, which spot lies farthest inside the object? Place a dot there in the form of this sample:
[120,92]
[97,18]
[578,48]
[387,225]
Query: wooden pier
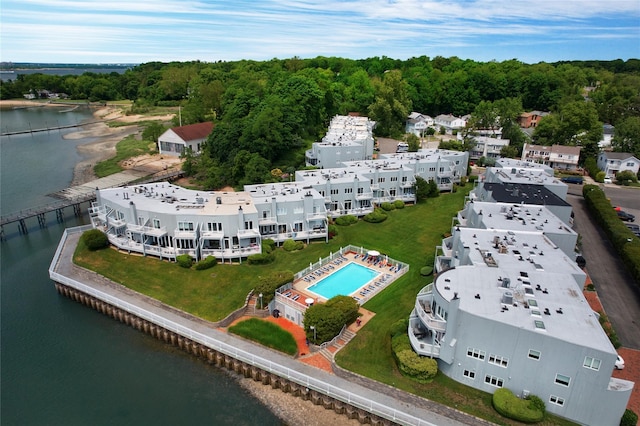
[74,196]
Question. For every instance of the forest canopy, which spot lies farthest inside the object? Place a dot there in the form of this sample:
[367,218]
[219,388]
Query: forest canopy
[266,113]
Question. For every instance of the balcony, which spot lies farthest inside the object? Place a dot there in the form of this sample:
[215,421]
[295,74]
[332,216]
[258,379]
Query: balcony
[364,196]
[147,230]
[319,216]
[271,220]
[407,184]
[428,319]
[462,220]
[443,263]
[447,246]
[422,341]
[248,233]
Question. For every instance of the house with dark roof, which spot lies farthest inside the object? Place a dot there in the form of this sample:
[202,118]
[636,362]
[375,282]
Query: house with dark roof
[175,140]
[614,162]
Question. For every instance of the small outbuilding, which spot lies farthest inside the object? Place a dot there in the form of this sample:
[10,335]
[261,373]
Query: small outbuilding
[175,140]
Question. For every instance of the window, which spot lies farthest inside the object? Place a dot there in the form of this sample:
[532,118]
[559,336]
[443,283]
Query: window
[592,363]
[533,354]
[156,223]
[556,400]
[360,190]
[498,360]
[563,380]
[281,211]
[431,169]
[185,226]
[214,226]
[248,224]
[404,178]
[540,325]
[476,353]
[297,227]
[469,373]
[381,180]
[394,178]
[493,381]
[348,190]
[334,192]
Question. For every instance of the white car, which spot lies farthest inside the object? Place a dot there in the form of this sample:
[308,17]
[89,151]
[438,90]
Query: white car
[607,180]
[619,363]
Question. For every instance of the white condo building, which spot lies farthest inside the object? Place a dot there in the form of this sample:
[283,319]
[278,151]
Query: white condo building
[506,309]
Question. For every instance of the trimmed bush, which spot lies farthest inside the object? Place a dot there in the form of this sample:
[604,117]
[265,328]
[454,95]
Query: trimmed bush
[399,204]
[184,261]
[346,220]
[95,239]
[528,410]
[292,245]
[629,418]
[377,216]
[463,181]
[425,271]
[261,258]
[399,327]
[268,245]
[332,230]
[268,284]
[600,176]
[419,368]
[387,206]
[206,263]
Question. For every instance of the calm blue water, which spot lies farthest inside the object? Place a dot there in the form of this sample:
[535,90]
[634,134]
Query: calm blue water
[65,364]
[344,282]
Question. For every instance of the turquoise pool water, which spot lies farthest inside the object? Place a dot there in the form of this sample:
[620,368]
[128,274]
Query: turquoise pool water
[343,282]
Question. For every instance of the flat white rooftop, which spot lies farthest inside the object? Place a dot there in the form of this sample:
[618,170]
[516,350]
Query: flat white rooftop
[523,175]
[520,217]
[521,279]
[163,197]
[511,162]
[283,191]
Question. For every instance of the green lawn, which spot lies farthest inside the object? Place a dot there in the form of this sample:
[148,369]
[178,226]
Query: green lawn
[267,334]
[409,235]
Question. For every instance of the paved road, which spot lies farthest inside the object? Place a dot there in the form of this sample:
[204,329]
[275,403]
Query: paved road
[617,291]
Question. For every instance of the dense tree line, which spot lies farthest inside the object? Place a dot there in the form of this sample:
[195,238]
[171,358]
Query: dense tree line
[266,113]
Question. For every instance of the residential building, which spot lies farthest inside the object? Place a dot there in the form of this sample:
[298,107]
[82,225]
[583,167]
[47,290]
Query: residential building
[349,138]
[417,123]
[175,140]
[525,176]
[524,194]
[556,156]
[506,309]
[166,221]
[487,147]
[508,163]
[607,136]
[614,162]
[450,123]
[530,119]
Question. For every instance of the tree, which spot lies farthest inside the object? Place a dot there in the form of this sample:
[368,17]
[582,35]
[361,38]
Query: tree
[391,105]
[509,151]
[421,189]
[153,131]
[413,141]
[627,136]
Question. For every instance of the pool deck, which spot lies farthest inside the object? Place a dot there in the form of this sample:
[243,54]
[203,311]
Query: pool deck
[388,273]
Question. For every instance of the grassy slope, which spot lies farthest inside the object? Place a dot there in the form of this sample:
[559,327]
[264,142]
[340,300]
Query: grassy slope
[126,148]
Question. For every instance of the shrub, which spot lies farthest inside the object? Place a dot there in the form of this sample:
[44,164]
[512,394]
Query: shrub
[399,204]
[399,327]
[387,206]
[626,177]
[95,239]
[261,258]
[347,305]
[600,176]
[268,245]
[425,271]
[411,364]
[206,263]
[463,181]
[292,245]
[629,418]
[268,284]
[333,230]
[184,261]
[346,220]
[377,216]
[528,410]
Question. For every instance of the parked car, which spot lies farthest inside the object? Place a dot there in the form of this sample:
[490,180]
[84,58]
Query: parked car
[607,180]
[572,179]
[619,363]
[634,228]
[627,217]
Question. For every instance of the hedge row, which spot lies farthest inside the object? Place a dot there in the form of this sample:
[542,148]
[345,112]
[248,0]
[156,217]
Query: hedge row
[528,410]
[623,240]
[268,284]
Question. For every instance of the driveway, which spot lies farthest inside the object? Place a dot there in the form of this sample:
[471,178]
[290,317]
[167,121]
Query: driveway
[617,291]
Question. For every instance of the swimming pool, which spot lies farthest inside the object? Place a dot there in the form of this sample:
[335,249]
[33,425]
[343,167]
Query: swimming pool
[344,282]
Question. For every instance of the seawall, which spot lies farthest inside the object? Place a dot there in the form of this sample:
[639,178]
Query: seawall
[202,339]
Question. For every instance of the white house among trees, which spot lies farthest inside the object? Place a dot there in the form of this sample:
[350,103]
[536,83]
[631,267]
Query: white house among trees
[175,140]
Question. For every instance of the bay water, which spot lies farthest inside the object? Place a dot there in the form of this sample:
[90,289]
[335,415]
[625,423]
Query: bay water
[62,363]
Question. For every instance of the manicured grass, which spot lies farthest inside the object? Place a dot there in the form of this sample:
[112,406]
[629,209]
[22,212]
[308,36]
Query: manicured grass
[409,235]
[126,148]
[266,333]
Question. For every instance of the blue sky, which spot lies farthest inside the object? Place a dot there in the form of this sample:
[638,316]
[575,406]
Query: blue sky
[136,31]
